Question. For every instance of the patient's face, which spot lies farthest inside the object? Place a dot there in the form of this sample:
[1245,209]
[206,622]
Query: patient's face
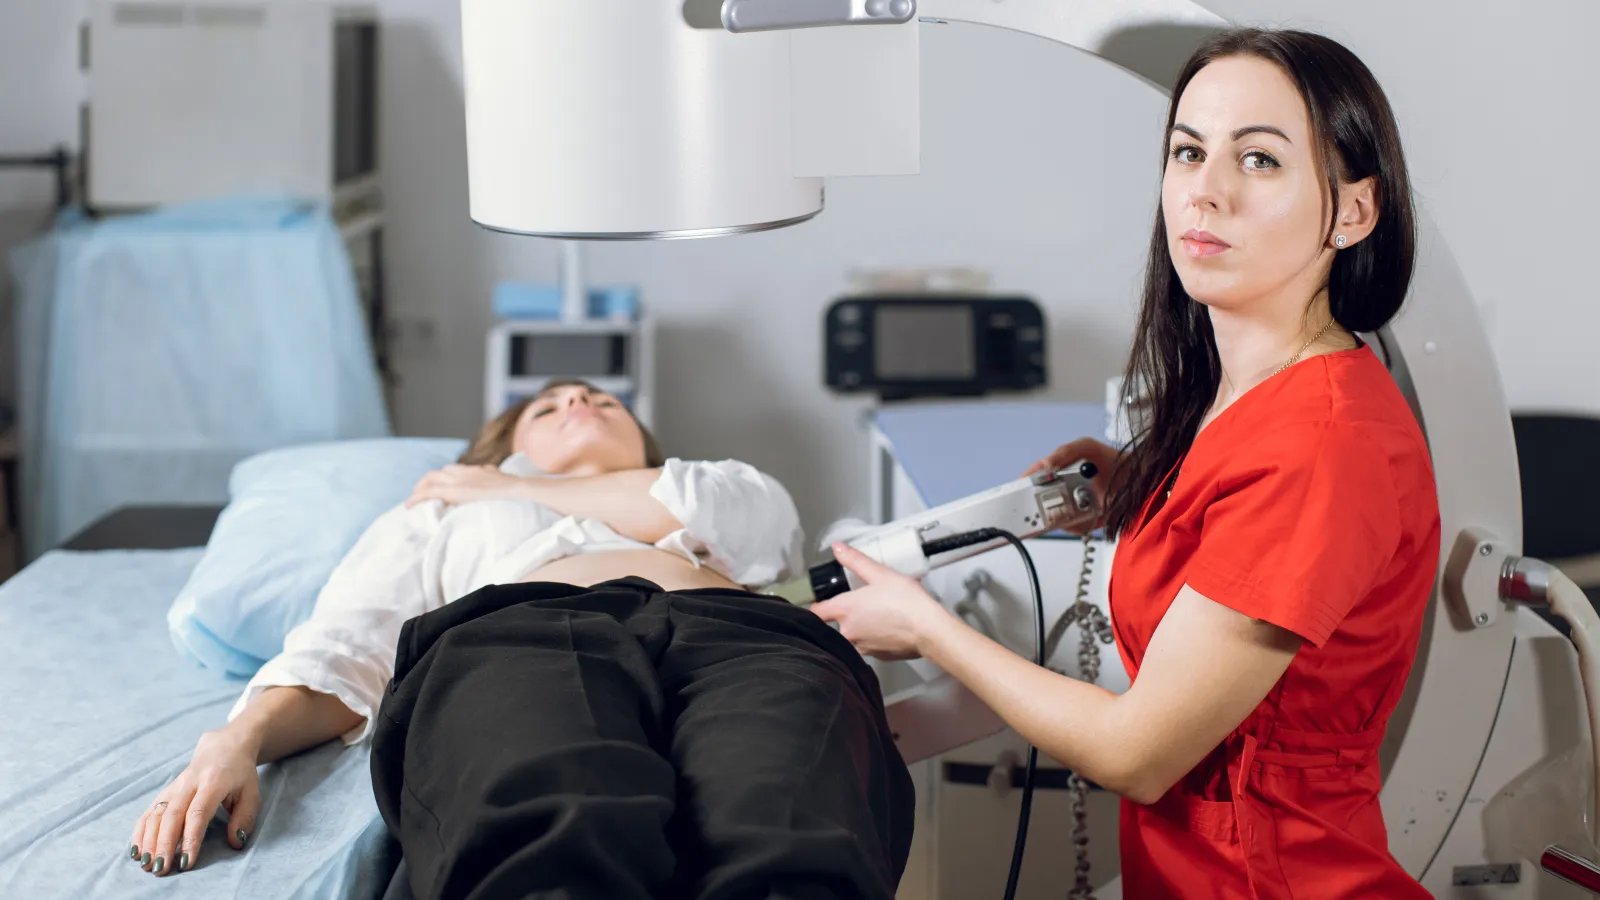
[574,430]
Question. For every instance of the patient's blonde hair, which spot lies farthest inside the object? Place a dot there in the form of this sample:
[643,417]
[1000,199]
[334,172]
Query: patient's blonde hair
[496,438]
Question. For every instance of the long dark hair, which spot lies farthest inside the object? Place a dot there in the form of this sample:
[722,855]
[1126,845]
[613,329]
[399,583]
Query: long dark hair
[1174,371]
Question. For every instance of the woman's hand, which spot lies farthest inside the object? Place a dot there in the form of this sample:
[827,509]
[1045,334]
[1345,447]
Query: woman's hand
[889,616]
[222,773]
[462,484]
[1104,457]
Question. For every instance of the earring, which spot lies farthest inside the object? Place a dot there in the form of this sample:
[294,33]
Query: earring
[1339,241]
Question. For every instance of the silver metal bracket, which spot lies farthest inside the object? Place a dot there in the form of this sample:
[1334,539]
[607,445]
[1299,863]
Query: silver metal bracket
[739,16]
[1472,578]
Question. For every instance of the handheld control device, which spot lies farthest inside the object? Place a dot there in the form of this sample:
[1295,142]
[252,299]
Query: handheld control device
[1024,508]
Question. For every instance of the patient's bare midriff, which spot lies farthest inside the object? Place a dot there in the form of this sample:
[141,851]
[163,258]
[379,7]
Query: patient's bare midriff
[670,571]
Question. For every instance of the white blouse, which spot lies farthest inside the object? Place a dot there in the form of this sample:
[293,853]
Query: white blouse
[736,521]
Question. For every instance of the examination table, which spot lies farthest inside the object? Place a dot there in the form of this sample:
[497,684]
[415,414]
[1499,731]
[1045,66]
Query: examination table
[101,712]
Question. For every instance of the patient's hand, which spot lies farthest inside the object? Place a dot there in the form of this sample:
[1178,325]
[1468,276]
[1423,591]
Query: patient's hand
[223,773]
[463,484]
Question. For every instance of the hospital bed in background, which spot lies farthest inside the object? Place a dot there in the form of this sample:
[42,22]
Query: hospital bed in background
[155,351]
[100,712]
[221,219]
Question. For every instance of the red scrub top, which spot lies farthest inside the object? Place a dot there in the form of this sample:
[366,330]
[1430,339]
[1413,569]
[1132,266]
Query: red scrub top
[1309,503]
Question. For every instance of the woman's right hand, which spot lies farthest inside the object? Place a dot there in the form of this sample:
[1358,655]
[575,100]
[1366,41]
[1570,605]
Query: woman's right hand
[1104,457]
[167,837]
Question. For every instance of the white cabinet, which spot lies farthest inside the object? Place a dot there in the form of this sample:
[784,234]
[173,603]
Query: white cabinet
[197,101]
[523,355]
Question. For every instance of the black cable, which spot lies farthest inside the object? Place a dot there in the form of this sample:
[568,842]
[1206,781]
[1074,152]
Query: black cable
[967,539]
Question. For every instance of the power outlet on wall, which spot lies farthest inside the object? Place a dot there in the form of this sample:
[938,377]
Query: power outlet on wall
[414,336]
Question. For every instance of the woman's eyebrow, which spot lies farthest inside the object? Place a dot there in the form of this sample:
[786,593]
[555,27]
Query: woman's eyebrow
[1237,133]
[1259,129]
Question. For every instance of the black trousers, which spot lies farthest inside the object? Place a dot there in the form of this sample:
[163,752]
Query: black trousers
[549,741]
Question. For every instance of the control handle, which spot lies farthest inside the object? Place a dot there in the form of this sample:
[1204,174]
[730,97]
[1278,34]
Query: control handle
[1571,868]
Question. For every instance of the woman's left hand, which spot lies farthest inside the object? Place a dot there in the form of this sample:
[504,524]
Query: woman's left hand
[889,616]
[463,484]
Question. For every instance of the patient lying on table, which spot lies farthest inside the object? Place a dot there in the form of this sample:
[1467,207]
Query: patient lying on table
[605,712]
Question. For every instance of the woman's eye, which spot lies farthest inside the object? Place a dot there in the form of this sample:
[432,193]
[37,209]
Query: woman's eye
[1255,159]
[540,413]
[1187,153]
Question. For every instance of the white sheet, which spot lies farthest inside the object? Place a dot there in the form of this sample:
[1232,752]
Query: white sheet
[100,712]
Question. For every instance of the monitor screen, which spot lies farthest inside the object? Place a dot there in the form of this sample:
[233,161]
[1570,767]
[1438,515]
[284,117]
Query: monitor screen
[928,342]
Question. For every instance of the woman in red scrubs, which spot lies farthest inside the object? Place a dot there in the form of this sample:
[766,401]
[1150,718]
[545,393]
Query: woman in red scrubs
[1276,513]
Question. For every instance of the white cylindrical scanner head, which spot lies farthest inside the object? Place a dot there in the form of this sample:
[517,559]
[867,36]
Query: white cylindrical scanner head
[900,550]
[685,131]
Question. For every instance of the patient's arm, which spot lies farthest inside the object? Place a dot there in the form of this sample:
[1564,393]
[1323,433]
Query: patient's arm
[622,500]
[619,499]
[739,520]
[278,722]
[282,721]
[326,683]
[347,647]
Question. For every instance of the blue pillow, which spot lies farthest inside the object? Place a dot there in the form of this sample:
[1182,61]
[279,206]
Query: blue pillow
[292,516]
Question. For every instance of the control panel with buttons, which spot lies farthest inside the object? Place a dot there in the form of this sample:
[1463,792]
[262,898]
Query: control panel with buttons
[935,345]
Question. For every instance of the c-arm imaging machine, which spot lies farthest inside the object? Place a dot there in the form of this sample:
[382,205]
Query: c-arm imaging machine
[661,119]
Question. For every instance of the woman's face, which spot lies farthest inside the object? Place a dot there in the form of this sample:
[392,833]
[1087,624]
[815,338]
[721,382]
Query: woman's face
[1244,200]
[576,430]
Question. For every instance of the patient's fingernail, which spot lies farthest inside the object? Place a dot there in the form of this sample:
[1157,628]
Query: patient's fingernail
[183,863]
[161,861]
[240,835]
[133,851]
[145,860]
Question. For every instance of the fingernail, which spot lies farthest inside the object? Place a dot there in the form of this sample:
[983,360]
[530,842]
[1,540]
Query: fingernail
[183,863]
[240,835]
[133,851]
[160,862]
[144,860]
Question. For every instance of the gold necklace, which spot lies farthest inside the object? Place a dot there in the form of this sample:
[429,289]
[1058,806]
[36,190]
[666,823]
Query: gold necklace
[1292,360]
[1296,358]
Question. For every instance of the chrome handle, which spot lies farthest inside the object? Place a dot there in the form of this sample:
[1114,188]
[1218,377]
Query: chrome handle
[1524,580]
[1571,868]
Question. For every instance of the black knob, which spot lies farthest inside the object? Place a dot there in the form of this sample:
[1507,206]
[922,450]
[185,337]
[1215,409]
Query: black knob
[828,580]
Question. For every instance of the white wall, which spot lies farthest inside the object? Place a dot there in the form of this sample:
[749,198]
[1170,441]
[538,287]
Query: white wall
[1039,165]
[1495,102]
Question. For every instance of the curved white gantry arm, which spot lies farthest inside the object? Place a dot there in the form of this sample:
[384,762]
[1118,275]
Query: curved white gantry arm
[1439,353]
